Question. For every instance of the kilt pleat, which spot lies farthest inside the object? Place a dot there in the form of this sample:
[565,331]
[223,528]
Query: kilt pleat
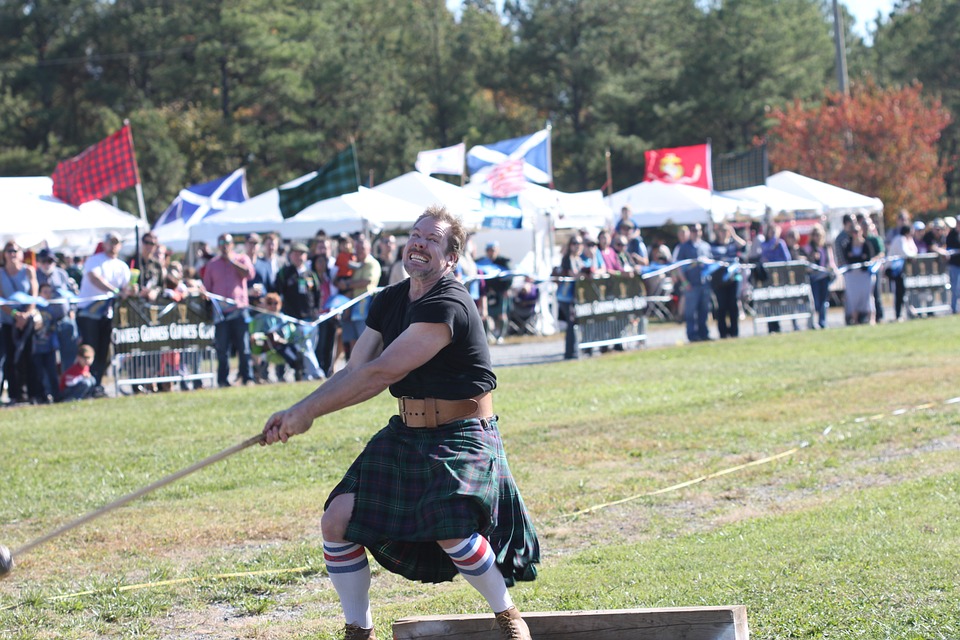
[413,487]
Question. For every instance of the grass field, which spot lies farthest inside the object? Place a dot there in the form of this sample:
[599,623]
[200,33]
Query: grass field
[812,477]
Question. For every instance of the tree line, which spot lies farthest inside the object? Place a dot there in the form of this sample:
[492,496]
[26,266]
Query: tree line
[280,87]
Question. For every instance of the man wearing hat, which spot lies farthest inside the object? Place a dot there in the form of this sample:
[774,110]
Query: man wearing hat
[299,288]
[105,278]
[495,288]
[48,272]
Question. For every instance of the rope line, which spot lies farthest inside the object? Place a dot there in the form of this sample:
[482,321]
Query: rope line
[740,467]
[166,583]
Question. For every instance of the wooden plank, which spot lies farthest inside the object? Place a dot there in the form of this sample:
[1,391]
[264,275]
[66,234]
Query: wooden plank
[680,623]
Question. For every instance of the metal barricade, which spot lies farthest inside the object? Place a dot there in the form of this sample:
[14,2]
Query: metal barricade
[162,343]
[610,310]
[186,367]
[926,282]
[784,294]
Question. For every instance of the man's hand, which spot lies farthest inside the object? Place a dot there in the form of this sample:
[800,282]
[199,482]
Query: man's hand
[282,425]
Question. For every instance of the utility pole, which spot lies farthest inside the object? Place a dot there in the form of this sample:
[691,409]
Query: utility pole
[841,50]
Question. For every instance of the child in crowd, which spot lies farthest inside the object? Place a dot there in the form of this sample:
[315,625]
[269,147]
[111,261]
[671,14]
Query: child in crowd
[272,339]
[46,344]
[77,383]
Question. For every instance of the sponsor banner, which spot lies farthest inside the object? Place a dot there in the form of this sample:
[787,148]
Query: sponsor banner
[610,310]
[140,326]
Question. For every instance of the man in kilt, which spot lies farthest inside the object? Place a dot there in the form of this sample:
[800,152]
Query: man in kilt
[431,495]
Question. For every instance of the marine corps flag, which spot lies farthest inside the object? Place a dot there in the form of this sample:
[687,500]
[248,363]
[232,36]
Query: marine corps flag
[680,165]
[100,170]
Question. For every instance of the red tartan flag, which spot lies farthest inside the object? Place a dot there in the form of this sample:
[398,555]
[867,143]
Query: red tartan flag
[98,171]
[680,165]
[507,179]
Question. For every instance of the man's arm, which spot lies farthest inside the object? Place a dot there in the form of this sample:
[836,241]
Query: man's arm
[371,369]
[241,263]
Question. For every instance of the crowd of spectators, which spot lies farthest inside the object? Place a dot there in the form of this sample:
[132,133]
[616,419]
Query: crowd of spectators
[265,303]
[713,275]
[272,304]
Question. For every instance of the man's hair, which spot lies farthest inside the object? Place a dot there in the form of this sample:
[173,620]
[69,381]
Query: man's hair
[85,350]
[458,235]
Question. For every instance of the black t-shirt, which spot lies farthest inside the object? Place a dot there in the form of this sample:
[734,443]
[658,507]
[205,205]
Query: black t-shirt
[460,370]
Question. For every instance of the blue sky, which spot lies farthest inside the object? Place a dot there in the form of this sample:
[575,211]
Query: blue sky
[865,11]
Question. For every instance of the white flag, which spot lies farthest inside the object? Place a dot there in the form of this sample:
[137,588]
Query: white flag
[448,160]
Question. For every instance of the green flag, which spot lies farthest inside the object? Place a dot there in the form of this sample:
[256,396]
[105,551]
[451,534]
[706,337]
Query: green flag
[335,178]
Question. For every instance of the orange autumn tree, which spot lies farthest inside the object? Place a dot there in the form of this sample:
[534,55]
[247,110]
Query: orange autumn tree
[879,142]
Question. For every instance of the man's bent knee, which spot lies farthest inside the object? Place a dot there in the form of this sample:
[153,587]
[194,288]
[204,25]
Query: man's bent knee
[333,523]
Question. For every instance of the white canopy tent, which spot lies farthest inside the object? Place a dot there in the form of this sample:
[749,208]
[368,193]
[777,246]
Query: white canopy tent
[569,210]
[33,217]
[423,191]
[366,210]
[836,201]
[654,204]
[531,248]
[774,200]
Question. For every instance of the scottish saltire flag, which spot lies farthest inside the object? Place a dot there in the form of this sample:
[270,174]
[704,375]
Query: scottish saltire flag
[680,165]
[501,213]
[339,176]
[201,200]
[533,149]
[448,160]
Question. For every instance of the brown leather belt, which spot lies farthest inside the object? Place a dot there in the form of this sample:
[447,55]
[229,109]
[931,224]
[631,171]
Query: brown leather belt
[430,413]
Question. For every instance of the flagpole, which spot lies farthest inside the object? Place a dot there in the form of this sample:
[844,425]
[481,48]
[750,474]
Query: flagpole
[609,173]
[139,187]
[356,161]
[549,128]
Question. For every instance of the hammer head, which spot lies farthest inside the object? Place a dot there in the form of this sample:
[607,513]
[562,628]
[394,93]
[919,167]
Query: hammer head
[6,561]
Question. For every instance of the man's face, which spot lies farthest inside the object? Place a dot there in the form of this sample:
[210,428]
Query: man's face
[269,245]
[112,247]
[252,247]
[425,255]
[225,244]
[148,245]
[362,249]
[46,265]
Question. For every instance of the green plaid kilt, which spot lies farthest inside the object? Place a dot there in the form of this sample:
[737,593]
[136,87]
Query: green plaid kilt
[416,486]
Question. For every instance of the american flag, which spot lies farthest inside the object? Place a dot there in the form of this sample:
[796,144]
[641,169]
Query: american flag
[507,179]
[99,170]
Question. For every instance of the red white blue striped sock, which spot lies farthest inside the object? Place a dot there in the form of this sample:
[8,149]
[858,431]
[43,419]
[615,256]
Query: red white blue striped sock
[349,572]
[476,562]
